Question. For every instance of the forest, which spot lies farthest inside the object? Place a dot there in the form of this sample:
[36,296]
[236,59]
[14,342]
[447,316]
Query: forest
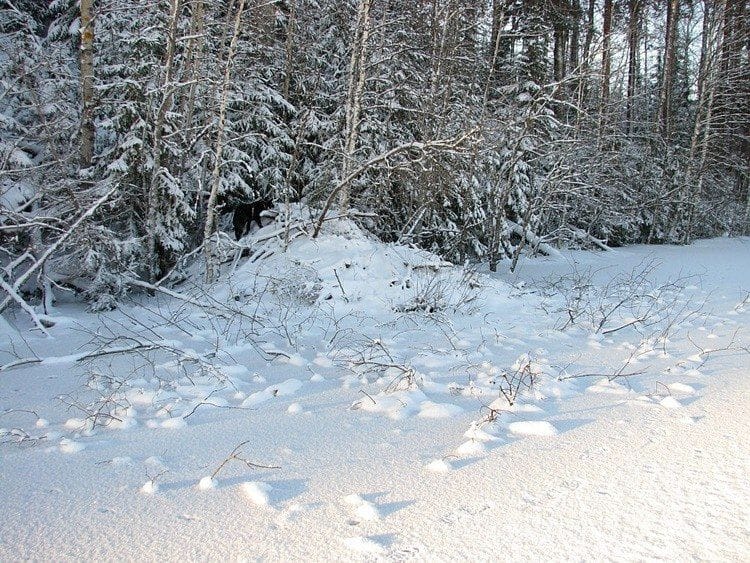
[480,130]
[374,280]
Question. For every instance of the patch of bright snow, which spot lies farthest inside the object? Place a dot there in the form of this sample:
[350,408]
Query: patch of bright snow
[532,428]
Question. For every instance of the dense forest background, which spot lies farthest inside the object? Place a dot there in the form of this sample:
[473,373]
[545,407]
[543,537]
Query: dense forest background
[477,129]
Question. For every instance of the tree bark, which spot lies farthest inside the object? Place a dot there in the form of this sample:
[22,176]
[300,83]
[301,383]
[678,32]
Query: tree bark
[670,55]
[633,25]
[586,62]
[154,197]
[356,85]
[194,46]
[589,32]
[289,49]
[575,35]
[209,250]
[712,43]
[499,21]
[88,129]
[606,65]
[560,30]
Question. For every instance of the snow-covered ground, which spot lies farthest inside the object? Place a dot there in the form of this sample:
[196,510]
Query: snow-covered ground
[351,400]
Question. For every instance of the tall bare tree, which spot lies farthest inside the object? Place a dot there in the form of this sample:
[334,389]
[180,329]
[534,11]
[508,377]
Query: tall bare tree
[356,84]
[168,91]
[209,231]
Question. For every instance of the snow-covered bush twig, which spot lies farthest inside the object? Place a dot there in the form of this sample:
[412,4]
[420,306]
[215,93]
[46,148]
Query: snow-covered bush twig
[374,359]
[521,377]
[434,291]
[626,301]
[237,455]
[705,354]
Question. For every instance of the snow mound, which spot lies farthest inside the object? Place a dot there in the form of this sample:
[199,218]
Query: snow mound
[283,389]
[439,466]
[257,492]
[363,544]
[670,403]
[681,388]
[353,500]
[150,488]
[70,446]
[428,409]
[476,433]
[471,448]
[367,511]
[533,428]
[347,269]
[207,483]
[606,386]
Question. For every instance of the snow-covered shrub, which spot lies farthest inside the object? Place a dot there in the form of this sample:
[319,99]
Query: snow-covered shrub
[434,289]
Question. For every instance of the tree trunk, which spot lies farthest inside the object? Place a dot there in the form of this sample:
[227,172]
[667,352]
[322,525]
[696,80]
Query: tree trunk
[633,24]
[356,85]
[209,250]
[194,46]
[560,28]
[589,32]
[499,21]
[586,62]
[668,67]
[289,49]
[606,63]
[88,130]
[154,196]
[575,35]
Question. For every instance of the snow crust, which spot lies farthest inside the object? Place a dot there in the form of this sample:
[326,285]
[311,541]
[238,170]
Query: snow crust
[361,403]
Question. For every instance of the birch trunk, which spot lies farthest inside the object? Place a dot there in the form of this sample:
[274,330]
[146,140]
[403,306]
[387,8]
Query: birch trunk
[711,44]
[154,199]
[88,130]
[209,249]
[356,81]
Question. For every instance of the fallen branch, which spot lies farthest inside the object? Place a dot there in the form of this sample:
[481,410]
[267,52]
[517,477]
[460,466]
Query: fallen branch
[13,294]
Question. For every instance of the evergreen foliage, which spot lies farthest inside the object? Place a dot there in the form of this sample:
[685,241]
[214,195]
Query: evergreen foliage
[489,126]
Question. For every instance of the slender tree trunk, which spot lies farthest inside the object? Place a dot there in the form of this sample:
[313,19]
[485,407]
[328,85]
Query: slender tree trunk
[589,32]
[154,195]
[499,21]
[187,110]
[575,35]
[560,29]
[193,60]
[289,49]
[646,91]
[670,55]
[209,250]
[495,211]
[88,130]
[711,44]
[633,25]
[586,62]
[356,85]
[606,64]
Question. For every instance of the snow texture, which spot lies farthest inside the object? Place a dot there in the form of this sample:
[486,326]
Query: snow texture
[344,422]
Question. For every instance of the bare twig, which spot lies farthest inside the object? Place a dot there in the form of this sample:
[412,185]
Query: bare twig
[236,455]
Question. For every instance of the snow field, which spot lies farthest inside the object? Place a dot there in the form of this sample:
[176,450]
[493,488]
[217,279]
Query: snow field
[393,436]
